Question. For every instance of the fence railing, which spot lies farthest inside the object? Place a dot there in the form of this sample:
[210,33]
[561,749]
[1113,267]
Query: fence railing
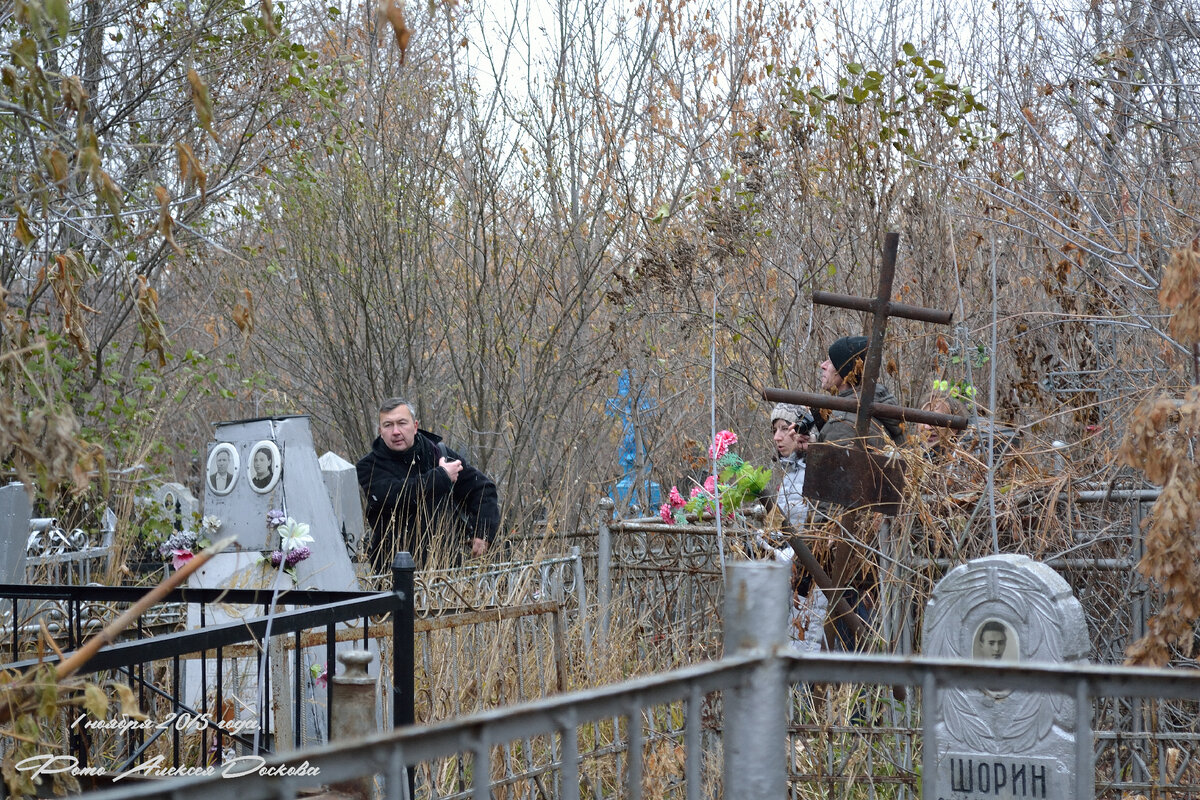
[670,575]
[704,731]
[479,638]
[202,687]
[56,556]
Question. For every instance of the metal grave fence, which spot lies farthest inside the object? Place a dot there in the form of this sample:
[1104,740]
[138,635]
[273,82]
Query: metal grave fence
[704,731]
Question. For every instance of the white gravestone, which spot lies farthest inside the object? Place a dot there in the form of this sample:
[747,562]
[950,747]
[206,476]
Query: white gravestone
[999,743]
[341,480]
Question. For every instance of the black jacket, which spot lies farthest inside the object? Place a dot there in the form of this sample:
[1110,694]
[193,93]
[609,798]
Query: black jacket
[409,498]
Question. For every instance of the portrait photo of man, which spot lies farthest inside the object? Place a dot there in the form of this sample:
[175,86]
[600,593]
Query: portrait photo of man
[995,641]
[222,468]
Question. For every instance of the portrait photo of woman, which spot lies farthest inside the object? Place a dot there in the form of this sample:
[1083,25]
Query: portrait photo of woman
[266,465]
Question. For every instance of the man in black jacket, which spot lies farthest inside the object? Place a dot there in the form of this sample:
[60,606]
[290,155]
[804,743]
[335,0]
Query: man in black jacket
[416,487]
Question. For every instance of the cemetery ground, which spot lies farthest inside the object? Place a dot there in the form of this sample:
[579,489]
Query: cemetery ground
[543,618]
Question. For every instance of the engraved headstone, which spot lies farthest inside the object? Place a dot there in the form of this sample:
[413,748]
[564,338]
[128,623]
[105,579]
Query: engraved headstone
[263,465]
[15,510]
[1001,743]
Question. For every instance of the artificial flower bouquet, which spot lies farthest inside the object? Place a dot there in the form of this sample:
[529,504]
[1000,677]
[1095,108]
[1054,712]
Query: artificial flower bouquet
[736,482]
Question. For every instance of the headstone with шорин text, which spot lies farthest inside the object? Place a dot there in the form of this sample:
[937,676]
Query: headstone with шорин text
[1001,742]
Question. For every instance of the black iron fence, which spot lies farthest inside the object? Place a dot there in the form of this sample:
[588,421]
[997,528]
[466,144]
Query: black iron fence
[215,718]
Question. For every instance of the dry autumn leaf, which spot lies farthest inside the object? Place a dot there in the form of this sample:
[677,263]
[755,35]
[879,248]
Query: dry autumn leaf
[56,164]
[166,223]
[24,233]
[243,315]
[190,171]
[201,101]
[393,12]
[154,335]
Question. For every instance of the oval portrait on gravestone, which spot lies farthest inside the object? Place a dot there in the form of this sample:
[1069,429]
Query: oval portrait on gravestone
[222,468]
[995,640]
[266,465]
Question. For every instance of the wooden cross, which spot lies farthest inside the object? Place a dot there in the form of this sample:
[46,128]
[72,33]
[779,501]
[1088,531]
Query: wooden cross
[850,476]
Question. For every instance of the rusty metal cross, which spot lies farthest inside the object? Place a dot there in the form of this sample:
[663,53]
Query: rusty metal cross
[850,476]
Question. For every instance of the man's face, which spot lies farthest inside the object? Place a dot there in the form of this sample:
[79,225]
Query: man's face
[830,379]
[993,643]
[787,441]
[398,428]
[222,462]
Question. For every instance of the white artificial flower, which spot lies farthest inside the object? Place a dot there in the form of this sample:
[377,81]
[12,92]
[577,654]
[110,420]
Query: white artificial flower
[293,534]
[210,524]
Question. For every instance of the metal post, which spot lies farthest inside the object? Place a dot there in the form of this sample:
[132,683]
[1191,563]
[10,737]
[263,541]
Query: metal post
[604,566]
[1141,614]
[581,601]
[1085,753]
[757,601]
[403,649]
[930,749]
[354,715]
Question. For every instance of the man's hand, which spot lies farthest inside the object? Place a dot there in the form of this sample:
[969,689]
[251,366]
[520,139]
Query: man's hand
[452,468]
[478,546]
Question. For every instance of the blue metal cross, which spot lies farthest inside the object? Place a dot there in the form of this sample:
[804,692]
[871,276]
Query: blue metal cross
[626,405]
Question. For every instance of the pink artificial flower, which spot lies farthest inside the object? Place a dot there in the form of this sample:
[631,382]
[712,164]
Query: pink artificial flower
[180,557]
[665,513]
[320,674]
[710,485]
[676,498]
[721,444]
[695,491]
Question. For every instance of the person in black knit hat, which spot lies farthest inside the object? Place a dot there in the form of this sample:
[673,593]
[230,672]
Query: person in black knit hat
[851,569]
[841,374]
